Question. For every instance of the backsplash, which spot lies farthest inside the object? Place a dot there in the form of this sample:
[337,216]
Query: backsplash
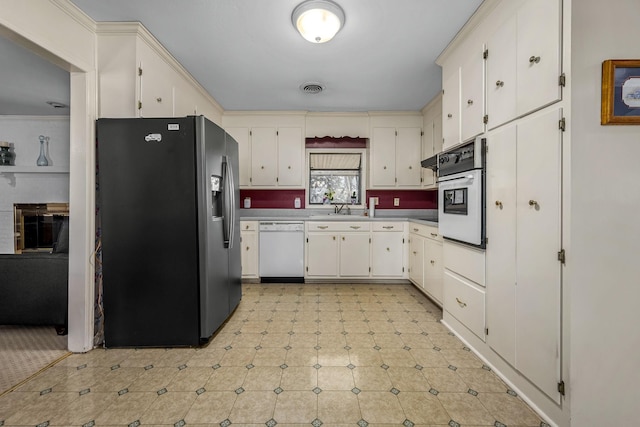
[272,199]
[409,199]
[284,199]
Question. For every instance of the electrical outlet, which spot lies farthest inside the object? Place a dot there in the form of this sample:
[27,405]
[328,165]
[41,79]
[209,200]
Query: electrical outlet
[375,201]
[396,201]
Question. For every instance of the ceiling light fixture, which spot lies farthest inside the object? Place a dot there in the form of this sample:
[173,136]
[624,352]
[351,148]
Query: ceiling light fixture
[318,20]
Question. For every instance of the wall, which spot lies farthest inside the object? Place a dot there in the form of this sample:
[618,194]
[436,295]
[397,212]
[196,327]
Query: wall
[603,262]
[38,186]
[59,32]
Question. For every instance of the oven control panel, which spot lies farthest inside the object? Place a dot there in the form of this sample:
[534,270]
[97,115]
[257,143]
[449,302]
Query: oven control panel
[461,158]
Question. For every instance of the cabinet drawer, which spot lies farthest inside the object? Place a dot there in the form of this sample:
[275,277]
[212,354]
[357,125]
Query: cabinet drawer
[248,225]
[425,231]
[338,226]
[465,302]
[465,261]
[388,226]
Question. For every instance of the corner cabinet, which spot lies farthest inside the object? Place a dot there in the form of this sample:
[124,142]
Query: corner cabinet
[425,260]
[270,157]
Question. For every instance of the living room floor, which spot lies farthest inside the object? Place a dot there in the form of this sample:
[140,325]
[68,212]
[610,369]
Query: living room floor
[291,354]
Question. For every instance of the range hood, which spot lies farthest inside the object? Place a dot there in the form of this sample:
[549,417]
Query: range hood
[430,163]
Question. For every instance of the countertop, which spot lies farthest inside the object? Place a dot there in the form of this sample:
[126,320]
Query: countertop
[426,216]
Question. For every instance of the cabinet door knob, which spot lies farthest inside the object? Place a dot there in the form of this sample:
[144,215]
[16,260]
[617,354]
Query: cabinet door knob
[499,83]
[410,167]
[334,237]
[388,250]
[534,203]
[499,204]
[415,229]
[449,115]
[247,247]
[415,253]
[460,303]
[384,167]
[158,99]
[261,167]
[342,237]
[534,59]
[470,101]
[288,167]
[432,262]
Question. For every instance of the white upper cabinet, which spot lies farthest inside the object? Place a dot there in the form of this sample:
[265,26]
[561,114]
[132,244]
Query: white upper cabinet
[408,156]
[395,157]
[383,157]
[270,157]
[538,56]
[451,108]
[241,135]
[432,138]
[472,95]
[264,157]
[290,155]
[524,62]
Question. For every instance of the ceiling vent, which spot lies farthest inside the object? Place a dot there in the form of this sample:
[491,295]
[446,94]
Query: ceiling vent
[311,87]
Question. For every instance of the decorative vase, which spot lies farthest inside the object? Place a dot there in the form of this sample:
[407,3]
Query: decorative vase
[42,159]
[7,157]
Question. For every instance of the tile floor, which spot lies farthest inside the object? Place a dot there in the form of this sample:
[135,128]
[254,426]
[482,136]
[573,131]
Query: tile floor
[363,354]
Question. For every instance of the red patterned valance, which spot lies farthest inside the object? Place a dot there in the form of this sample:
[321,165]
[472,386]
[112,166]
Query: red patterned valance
[336,142]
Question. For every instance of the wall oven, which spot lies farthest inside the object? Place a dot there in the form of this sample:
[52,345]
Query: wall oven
[461,193]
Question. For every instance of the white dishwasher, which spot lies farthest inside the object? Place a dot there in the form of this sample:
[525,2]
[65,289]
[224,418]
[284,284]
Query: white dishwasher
[281,251]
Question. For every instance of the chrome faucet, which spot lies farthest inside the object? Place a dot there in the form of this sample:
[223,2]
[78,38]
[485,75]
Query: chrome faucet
[337,209]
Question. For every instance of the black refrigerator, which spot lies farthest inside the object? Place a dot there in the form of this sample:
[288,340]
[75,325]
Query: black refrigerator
[168,206]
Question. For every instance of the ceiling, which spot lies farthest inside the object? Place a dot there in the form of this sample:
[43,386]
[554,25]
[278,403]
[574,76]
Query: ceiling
[248,56]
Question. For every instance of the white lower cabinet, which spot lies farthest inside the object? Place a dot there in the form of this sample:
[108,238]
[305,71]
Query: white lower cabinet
[354,255]
[425,260]
[249,249]
[337,249]
[464,300]
[322,255]
[464,279]
[387,249]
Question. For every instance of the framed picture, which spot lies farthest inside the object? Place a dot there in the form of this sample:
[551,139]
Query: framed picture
[620,92]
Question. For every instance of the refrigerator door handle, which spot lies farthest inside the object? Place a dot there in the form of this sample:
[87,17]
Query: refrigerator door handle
[228,202]
[232,206]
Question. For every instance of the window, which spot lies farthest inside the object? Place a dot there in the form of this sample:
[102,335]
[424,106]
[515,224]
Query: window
[335,178]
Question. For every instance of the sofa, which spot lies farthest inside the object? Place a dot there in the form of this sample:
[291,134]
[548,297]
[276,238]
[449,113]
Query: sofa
[34,286]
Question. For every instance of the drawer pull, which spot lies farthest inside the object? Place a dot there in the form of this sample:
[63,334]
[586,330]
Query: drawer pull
[434,234]
[388,227]
[323,227]
[416,230]
[355,227]
[460,303]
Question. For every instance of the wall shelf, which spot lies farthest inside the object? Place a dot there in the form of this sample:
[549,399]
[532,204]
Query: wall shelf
[34,169]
